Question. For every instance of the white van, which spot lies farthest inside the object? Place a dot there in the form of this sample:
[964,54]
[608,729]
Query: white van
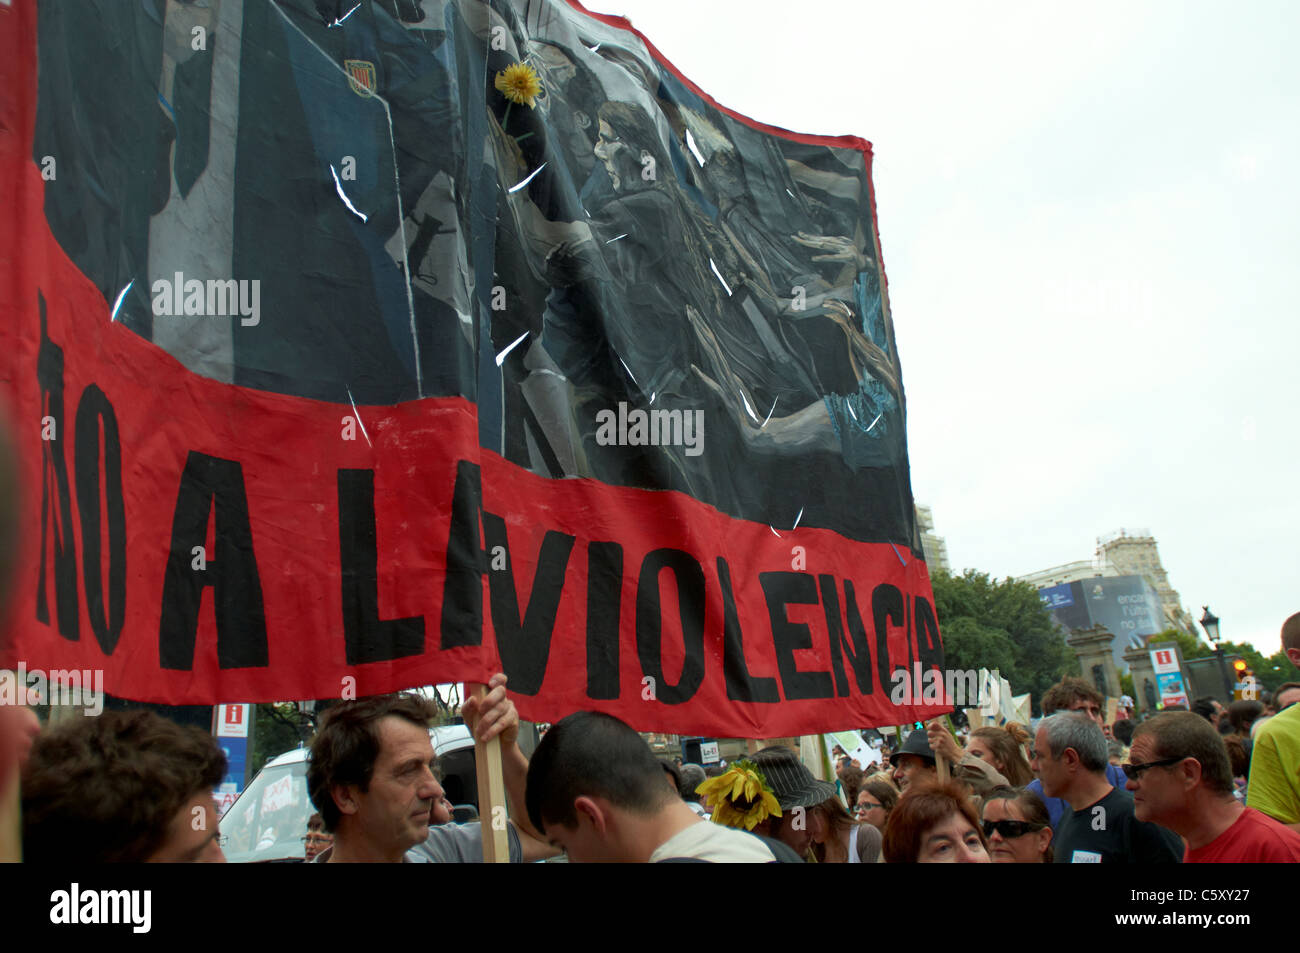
[268,822]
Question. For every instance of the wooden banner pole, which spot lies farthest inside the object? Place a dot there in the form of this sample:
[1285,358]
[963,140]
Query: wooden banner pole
[11,838]
[491,792]
[941,767]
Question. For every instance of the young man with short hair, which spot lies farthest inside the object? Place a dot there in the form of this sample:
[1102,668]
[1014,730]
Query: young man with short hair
[1181,778]
[1100,827]
[123,787]
[596,791]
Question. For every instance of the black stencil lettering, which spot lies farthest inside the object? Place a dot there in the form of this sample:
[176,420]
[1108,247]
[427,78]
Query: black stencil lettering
[210,485]
[525,642]
[858,633]
[887,605]
[367,638]
[793,588]
[106,620]
[689,577]
[56,498]
[929,647]
[462,588]
[604,608]
[855,646]
[741,686]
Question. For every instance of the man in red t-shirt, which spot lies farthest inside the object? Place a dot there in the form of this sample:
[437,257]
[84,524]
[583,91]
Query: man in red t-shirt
[1181,779]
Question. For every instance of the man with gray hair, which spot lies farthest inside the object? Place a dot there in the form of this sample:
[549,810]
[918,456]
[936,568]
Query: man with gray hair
[1100,826]
[1180,776]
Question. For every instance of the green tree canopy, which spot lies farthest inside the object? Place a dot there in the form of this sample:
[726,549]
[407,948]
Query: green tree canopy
[1188,644]
[1271,671]
[1000,625]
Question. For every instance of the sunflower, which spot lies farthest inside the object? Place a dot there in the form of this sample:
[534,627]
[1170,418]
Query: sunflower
[519,84]
[741,797]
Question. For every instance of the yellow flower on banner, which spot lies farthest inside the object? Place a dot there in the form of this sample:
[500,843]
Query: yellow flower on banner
[519,84]
[741,797]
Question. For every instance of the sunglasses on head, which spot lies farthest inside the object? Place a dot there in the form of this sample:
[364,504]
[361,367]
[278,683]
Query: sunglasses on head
[1009,829]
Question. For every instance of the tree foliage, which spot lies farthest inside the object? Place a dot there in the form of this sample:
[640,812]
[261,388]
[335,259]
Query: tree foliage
[1188,644]
[1271,671]
[1000,625]
[274,733]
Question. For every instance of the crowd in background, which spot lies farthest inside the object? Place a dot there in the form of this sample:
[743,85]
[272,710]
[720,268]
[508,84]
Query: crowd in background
[1214,784]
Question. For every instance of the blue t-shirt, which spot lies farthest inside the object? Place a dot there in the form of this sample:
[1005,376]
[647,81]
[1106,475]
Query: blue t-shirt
[1056,807]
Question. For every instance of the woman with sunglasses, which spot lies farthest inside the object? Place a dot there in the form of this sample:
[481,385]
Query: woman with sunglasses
[1017,826]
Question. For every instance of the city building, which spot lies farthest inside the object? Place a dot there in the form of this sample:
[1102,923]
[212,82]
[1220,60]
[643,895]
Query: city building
[1124,587]
[1070,572]
[1127,606]
[934,546]
[1134,552]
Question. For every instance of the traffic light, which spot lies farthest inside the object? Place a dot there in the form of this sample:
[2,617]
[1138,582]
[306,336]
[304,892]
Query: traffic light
[1246,687]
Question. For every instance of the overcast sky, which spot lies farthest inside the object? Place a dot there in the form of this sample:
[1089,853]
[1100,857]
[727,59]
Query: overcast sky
[1088,216]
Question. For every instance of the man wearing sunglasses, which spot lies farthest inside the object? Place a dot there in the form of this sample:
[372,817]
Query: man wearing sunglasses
[1181,778]
[1099,826]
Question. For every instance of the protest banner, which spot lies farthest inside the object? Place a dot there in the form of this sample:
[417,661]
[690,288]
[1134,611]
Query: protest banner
[489,343]
[852,745]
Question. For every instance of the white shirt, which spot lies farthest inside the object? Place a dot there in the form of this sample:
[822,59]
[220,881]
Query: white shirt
[714,843]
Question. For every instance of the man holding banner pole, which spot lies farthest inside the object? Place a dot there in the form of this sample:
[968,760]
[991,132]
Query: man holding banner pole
[372,779]
[923,752]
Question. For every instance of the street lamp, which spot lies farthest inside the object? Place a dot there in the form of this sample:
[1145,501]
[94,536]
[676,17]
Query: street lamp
[1210,623]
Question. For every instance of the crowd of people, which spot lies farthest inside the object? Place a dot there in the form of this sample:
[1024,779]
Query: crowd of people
[1213,784]
[1210,785]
